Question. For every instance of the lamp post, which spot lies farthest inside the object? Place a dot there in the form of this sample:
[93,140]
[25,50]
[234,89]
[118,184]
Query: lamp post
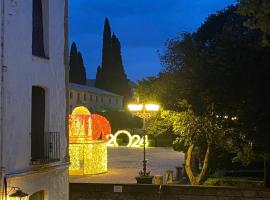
[144,111]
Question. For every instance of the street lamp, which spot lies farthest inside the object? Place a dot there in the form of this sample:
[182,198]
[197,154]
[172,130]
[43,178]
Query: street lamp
[143,111]
[18,194]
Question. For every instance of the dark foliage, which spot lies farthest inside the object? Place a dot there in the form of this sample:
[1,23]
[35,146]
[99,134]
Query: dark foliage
[111,75]
[77,72]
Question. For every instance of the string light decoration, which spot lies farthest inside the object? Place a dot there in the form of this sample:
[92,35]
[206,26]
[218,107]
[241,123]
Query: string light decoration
[88,154]
[133,140]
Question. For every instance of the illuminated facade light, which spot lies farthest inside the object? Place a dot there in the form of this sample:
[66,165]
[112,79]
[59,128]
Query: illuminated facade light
[88,155]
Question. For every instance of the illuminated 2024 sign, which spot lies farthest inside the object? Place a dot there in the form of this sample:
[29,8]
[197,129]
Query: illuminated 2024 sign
[133,140]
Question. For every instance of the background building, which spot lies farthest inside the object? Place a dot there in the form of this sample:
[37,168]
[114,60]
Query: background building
[34,62]
[93,98]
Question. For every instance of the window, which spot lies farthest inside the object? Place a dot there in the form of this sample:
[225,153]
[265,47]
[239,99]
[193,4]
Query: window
[71,95]
[84,97]
[40,25]
[70,108]
[37,196]
[102,99]
[78,96]
[37,123]
[91,97]
[96,98]
[110,100]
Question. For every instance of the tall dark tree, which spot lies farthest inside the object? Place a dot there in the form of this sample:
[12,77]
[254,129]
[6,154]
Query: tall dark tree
[111,75]
[77,72]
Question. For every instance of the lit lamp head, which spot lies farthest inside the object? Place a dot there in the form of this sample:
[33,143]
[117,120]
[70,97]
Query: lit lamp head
[18,195]
[140,107]
[152,107]
[135,107]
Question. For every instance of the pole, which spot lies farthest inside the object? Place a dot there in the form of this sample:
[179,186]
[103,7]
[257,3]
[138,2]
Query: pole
[144,153]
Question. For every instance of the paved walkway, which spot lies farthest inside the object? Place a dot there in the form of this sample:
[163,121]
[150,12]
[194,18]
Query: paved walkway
[125,163]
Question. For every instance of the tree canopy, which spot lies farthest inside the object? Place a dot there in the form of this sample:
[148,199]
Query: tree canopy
[221,71]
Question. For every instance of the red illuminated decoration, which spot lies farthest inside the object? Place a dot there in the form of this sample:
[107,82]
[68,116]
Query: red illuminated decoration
[87,127]
[100,125]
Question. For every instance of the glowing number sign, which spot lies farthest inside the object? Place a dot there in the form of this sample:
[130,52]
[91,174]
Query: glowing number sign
[133,140]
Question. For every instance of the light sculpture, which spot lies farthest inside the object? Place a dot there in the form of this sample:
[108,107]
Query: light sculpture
[133,140]
[88,154]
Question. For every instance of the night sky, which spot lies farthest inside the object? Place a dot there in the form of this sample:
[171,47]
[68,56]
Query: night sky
[143,26]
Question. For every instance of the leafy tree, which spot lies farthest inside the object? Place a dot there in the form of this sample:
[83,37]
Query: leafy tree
[220,69]
[201,135]
[258,12]
[77,72]
[112,69]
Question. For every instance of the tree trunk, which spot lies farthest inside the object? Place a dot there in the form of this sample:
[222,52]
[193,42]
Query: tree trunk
[267,171]
[200,178]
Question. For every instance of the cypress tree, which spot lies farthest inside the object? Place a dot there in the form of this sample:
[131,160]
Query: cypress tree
[111,75]
[77,72]
[81,70]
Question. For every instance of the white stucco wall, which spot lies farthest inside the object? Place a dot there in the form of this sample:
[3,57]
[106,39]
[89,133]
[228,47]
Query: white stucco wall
[52,182]
[24,71]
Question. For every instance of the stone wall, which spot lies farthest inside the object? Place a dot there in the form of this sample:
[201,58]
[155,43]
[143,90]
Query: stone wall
[90,191]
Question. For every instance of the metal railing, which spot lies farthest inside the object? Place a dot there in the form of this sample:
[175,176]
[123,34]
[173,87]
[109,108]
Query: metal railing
[48,150]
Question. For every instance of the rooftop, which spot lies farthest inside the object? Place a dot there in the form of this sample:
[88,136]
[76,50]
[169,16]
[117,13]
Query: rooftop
[91,89]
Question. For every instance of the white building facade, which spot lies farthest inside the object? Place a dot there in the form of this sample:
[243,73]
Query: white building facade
[33,89]
[93,98]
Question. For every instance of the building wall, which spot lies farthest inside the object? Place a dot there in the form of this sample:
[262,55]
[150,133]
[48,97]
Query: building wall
[88,191]
[23,70]
[52,181]
[94,101]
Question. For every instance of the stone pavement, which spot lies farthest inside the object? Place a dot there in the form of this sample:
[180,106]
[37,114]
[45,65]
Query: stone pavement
[125,163]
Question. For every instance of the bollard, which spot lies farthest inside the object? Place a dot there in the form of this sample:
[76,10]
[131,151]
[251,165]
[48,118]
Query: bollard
[179,174]
[169,177]
[158,179]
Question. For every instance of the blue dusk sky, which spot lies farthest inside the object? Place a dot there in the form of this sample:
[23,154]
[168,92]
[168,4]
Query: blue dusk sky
[143,26]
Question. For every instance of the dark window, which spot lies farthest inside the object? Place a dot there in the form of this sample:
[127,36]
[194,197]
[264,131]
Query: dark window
[37,123]
[78,96]
[71,95]
[37,196]
[96,98]
[84,97]
[102,99]
[91,97]
[38,33]
[110,100]
[70,108]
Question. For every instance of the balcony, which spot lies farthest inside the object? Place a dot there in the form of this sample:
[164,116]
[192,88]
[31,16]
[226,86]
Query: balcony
[45,147]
